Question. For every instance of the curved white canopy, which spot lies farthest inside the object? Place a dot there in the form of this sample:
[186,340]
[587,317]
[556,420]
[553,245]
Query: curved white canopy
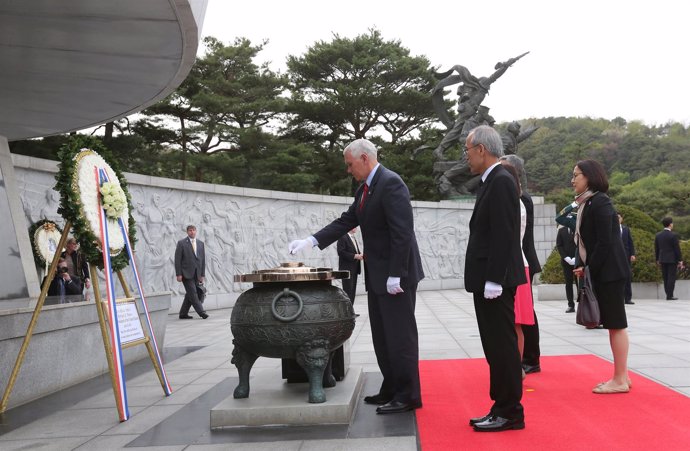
[66,65]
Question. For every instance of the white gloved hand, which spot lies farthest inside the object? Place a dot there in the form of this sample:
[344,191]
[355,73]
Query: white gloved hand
[569,260]
[492,290]
[298,245]
[574,204]
[393,285]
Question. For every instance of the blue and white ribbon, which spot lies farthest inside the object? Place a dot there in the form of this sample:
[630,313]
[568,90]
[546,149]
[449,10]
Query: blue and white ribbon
[115,344]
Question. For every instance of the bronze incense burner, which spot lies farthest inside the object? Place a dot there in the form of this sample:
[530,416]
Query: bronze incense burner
[294,312]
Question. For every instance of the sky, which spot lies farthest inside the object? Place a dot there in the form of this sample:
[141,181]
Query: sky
[601,59]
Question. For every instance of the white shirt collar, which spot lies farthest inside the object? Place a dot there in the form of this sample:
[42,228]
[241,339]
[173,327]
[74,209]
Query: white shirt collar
[488,170]
[370,177]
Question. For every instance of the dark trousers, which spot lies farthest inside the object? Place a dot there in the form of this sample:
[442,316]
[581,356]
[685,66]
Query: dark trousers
[530,350]
[569,280]
[496,321]
[396,343]
[668,273]
[191,298]
[628,283]
[350,286]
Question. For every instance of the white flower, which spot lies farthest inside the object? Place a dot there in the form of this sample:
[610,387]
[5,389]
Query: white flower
[89,190]
[114,199]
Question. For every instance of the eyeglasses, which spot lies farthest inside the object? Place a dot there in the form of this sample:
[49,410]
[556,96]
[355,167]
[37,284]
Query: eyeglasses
[467,149]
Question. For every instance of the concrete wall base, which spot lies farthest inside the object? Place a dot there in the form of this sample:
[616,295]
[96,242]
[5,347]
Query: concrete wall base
[66,347]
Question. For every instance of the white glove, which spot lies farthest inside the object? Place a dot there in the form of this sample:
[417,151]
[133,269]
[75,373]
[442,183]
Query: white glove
[393,285]
[574,204]
[296,246]
[569,260]
[492,290]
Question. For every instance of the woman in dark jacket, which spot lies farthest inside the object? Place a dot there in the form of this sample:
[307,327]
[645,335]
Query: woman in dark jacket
[597,236]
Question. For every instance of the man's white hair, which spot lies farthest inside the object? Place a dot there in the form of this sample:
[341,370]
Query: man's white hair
[360,146]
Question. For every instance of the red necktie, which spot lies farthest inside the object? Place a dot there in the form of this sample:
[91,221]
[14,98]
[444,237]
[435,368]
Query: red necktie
[364,196]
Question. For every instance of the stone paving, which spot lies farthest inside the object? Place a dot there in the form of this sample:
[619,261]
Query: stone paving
[201,375]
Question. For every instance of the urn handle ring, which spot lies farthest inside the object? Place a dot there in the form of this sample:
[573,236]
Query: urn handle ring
[285,295]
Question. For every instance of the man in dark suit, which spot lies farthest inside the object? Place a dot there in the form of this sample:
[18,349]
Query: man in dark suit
[350,259]
[565,243]
[493,270]
[190,268]
[392,270]
[667,252]
[64,285]
[629,247]
[531,351]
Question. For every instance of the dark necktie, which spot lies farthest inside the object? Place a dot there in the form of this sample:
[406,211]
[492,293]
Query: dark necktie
[63,292]
[364,196]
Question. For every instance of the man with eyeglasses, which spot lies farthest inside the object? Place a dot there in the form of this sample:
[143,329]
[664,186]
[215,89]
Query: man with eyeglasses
[493,270]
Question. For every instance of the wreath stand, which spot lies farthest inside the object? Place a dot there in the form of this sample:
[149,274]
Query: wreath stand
[111,343]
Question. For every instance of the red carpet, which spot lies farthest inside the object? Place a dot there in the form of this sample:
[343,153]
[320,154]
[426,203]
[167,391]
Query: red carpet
[561,412]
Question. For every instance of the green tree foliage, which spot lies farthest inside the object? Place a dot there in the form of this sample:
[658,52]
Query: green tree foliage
[685,252]
[224,105]
[637,219]
[47,147]
[364,87]
[644,269]
[628,148]
[659,195]
[551,271]
[357,88]
[648,166]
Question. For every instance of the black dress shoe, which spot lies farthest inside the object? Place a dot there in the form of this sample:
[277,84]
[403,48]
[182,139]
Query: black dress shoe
[398,407]
[570,310]
[629,302]
[476,420]
[497,424]
[186,317]
[204,315]
[671,299]
[378,399]
[529,369]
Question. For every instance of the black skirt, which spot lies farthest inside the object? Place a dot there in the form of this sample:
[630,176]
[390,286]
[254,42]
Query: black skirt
[611,298]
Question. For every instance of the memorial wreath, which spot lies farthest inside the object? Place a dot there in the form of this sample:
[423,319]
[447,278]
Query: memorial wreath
[80,190]
[45,236]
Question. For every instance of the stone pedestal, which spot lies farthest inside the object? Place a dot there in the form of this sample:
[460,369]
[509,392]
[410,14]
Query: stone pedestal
[274,402]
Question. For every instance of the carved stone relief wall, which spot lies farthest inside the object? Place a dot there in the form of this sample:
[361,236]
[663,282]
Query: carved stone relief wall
[246,229]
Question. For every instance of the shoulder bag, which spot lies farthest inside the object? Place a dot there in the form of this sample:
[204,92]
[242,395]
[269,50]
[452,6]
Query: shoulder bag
[588,314]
